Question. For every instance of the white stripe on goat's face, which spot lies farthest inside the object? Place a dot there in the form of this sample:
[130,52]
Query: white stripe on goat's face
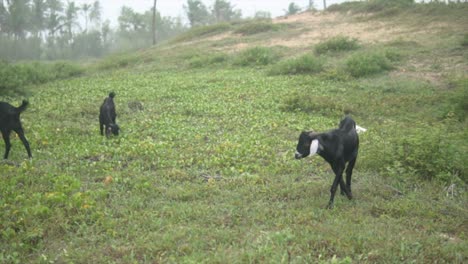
[360,129]
[314,146]
[308,145]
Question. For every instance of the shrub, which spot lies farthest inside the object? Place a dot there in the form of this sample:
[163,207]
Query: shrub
[256,26]
[372,6]
[364,64]
[301,65]
[457,103]
[206,60]
[464,41]
[339,43]
[256,56]
[118,61]
[13,77]
[425,151]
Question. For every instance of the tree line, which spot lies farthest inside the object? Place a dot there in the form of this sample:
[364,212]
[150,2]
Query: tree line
[59,29]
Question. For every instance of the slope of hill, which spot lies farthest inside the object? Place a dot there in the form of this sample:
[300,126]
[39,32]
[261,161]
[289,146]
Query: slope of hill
[204,171]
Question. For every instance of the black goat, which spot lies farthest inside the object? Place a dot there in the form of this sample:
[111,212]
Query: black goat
[107,116]
[337,147]
[10,120]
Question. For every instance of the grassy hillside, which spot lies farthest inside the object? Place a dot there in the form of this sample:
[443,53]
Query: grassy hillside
[203,170]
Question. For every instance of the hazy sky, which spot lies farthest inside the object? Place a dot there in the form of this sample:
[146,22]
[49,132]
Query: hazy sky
[174,8]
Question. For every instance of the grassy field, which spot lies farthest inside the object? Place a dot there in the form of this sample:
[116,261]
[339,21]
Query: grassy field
[204,172]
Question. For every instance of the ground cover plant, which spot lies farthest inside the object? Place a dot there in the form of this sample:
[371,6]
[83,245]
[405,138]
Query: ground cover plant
[203,170]
[336,44]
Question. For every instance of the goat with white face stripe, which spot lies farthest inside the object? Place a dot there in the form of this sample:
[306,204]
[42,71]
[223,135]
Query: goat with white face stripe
[337,147]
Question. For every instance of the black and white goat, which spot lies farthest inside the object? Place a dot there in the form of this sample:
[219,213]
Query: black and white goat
[337,147]
[10,121]
[107,116]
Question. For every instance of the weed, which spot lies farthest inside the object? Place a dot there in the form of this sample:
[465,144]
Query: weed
[464,41]
[306,64]
[364,64]
[256,56]
[314,104]
[14,77]
[256,26]
[207,60]
[335,44]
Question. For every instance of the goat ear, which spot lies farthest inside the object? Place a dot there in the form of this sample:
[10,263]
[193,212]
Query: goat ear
[312,134]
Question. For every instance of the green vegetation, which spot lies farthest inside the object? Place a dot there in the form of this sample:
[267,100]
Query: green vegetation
[464,41]
[204,171]
[365,63]
[306,64]
[256,26]
[14,77]
[335,44]
[256,56]
[429,11]
[202,31]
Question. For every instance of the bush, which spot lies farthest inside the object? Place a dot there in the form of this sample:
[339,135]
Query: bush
[256,26]
[457,103]
[339,43]
[301,65]
[464,41]
[13,77]
[256,56]
[374,6]
[427,151]
[364,64]
[207,60]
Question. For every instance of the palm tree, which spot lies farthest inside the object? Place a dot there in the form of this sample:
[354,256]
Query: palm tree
[95,13]
[54,19]
[85,9]
[71,17]
[154,23]
[38,18]
[17,19]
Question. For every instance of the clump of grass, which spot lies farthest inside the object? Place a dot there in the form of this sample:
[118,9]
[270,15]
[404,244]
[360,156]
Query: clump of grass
[118,61]
[15,76]
[302,65]
[317,104]
[207,60]
[259,56]
[464,41]
[335,44]
[203,31]
[256,26]
[372,6]
[365,64]
[457,103]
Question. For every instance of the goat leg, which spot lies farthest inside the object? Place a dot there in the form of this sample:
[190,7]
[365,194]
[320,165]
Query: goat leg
[349,173]
[344,189]
[338,169]
[333,191]
[6,138]
[20,132]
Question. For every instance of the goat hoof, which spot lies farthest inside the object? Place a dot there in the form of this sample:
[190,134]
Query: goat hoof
[330,205]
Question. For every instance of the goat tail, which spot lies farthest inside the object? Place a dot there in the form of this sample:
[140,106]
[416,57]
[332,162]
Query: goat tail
[111,94]
[23,106]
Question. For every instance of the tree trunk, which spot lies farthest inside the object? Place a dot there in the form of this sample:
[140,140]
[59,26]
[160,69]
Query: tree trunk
[154,22]
[324,4]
